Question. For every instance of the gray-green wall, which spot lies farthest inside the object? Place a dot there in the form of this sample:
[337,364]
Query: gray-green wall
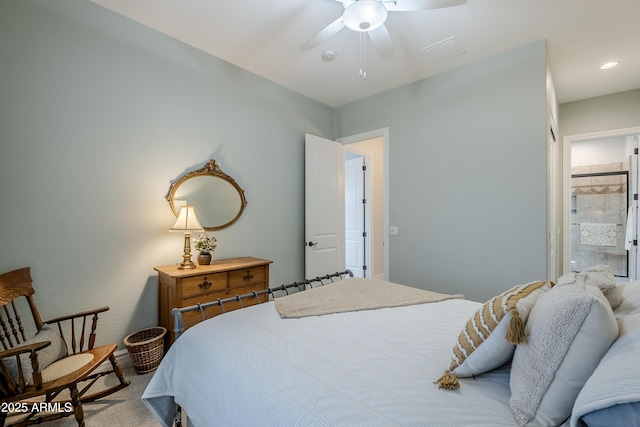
[467,166]
[604,113]
[99,114]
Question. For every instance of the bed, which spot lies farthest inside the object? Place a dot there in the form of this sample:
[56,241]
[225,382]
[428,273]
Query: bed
[386,364]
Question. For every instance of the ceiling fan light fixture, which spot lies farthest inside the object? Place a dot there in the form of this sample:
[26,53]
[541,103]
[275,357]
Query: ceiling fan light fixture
[365,15]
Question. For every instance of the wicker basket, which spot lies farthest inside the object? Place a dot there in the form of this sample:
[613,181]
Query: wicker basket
[146,348]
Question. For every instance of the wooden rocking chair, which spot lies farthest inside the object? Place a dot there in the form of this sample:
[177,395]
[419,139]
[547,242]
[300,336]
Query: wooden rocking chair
[34,372]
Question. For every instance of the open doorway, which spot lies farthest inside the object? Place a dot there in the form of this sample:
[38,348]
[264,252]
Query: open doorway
[366,221]
[357,212]
[325,206]
[600,200]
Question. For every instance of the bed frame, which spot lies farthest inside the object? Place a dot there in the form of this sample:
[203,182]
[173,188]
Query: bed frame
[178,323]
[274,292]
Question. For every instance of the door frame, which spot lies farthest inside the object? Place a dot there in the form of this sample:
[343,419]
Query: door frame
[554,245]
[566,183]
[384,134]
[365,160]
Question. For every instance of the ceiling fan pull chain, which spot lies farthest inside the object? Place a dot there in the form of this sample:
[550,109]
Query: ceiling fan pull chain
[363,48]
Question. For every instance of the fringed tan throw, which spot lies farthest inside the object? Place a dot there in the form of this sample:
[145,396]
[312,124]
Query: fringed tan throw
[354,294]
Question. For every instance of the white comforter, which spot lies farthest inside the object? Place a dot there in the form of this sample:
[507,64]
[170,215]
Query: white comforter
[249,368]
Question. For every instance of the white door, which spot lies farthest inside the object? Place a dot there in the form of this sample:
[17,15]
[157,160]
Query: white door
[354,218]
[324,206]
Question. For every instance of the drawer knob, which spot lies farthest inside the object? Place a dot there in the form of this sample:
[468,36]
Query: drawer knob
[247,277]
[205,284]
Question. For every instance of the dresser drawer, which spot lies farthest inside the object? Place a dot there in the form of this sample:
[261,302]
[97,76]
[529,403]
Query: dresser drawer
[223,278]
[246,276]
[193,317]
[201,285]
[222,294]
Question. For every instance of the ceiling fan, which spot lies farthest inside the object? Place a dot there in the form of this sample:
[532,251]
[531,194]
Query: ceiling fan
[368,16]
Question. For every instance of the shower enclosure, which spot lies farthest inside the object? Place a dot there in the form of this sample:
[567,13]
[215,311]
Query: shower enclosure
[599,212]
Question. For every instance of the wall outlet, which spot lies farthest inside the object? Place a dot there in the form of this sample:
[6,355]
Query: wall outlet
[393,231]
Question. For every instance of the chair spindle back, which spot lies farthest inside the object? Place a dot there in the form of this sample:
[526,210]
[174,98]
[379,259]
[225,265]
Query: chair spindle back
[13,285]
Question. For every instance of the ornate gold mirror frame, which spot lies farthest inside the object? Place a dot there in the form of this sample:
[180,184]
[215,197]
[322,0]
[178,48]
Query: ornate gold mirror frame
[218,199]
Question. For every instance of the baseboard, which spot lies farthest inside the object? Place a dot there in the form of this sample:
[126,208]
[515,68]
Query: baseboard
[122,357]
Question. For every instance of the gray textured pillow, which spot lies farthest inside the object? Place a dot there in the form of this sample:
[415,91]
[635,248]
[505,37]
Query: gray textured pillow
[602,276]
[57,350]
[568,332]
[599,275]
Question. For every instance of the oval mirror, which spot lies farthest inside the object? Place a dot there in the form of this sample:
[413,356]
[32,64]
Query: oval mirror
[218,199]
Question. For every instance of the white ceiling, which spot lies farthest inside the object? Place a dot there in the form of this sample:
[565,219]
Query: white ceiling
[265,37]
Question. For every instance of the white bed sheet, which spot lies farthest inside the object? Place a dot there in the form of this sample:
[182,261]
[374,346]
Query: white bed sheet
[249,368]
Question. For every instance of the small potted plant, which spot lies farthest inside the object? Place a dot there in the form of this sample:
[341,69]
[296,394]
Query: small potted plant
[206,245]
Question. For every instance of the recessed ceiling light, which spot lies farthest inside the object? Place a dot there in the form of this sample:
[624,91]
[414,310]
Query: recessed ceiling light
[608,65]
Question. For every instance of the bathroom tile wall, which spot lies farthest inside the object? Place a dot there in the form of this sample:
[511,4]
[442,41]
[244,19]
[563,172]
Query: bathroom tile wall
[603,200]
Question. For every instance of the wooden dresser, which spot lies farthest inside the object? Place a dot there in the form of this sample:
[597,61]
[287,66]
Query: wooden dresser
[222,279]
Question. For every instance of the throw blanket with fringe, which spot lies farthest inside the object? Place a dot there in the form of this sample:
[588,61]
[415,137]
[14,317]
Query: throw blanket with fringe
[354,294]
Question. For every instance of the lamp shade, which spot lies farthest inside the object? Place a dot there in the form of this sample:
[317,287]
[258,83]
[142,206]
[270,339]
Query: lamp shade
[187,221]
[365,15]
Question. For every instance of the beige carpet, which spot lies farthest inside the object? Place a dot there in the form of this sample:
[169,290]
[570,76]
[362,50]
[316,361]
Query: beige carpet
[123,408]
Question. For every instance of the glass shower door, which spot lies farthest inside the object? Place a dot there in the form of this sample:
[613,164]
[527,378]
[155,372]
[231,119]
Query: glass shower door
[599,212]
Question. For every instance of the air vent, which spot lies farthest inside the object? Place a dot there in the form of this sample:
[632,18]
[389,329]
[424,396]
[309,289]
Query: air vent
[441,51]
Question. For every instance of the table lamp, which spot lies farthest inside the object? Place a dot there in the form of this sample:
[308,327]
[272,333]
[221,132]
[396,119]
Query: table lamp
[187,223]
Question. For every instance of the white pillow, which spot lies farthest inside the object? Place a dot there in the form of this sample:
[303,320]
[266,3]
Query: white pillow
[600,276]
[612,392]
[569,330]
[489,337]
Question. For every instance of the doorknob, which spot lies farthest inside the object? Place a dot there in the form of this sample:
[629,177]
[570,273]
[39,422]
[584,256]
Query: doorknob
[312,243]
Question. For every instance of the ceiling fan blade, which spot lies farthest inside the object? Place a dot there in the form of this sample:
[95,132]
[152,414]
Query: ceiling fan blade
[323,35]
[411,5]
[382,41]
